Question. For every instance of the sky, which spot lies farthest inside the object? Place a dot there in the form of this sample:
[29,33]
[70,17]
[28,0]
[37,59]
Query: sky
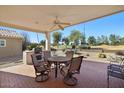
[113,24]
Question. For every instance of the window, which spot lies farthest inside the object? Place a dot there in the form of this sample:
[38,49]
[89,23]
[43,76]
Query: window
[2,43]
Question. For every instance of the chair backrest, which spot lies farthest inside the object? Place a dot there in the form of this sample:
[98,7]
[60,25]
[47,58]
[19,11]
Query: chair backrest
[38,63]
[37,50]
[37,59]
[47,54]
[69,54]
[75,64]
[116,71]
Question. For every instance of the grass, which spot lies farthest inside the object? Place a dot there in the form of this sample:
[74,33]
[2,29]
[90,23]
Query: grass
[109,47]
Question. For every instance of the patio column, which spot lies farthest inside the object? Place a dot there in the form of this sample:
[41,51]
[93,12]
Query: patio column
[47,40]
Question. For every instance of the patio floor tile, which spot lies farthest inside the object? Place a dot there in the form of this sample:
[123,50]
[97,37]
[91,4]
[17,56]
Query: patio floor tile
[92,75]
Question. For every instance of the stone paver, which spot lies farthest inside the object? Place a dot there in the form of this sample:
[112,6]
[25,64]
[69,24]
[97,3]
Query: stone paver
[92,75]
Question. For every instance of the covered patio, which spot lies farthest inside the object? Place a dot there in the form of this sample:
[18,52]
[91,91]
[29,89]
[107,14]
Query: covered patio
[93,75]
[40,19]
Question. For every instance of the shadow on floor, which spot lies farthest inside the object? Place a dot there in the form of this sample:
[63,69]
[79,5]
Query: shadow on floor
[92,75]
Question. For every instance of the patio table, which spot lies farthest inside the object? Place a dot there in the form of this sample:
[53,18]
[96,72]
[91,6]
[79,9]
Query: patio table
[57,60]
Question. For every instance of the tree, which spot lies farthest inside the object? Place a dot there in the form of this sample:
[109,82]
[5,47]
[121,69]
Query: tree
[104,40]
[76,42]
[42,42]
[114,40]
[75,36]
[91,40]
[122,41]
[56,37]
[26,40]
[83,38]
[65,40]
[98,40]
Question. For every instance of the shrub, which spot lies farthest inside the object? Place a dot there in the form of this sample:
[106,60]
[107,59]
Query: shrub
[87,55]
[101,55]
[63,50]
[73,46]
[31,46]
[120,53]
[37,49]
[85,47]
[53,49]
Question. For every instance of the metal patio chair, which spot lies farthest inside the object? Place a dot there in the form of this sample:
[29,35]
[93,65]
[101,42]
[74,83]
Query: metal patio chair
[73,68]
[41,67]
[115,69]
[69,54]
[47,54]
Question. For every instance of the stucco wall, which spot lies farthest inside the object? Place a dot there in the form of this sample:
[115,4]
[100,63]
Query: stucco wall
[13,47]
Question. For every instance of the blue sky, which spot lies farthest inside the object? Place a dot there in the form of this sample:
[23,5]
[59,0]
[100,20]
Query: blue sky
[113,24]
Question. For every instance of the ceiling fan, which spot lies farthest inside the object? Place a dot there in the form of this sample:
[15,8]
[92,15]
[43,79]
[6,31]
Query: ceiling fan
[59,24]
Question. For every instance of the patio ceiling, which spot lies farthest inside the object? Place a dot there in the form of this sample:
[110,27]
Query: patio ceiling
[40,18]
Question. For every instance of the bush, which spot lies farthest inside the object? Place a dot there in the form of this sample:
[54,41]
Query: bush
[85,46]
[53,49]
[101,55]
[31,46]
[63,50]
[73,46]
[120,53]
[87,54]
[37,49]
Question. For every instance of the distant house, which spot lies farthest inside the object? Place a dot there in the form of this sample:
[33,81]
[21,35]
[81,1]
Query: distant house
[10,43]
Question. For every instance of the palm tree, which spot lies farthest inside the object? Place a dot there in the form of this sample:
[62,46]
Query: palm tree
[65,40]
[56,37]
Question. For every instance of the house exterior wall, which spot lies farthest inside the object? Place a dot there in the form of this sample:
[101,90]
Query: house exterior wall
[13,47]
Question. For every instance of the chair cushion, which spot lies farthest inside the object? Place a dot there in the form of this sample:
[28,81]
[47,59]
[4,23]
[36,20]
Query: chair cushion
[39,58]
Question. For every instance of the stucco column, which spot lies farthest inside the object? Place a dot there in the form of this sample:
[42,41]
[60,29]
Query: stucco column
[47,40]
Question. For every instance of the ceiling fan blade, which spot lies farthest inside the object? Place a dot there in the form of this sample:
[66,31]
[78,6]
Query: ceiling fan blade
[52,27]
[61,27]
[65,23]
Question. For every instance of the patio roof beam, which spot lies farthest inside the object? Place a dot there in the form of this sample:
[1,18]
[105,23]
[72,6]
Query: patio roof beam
[20,27]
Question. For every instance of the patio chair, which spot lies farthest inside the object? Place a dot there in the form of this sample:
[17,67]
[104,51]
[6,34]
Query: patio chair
[73,68]
[41,67]
[47,54]
[115,70]
[69,54]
